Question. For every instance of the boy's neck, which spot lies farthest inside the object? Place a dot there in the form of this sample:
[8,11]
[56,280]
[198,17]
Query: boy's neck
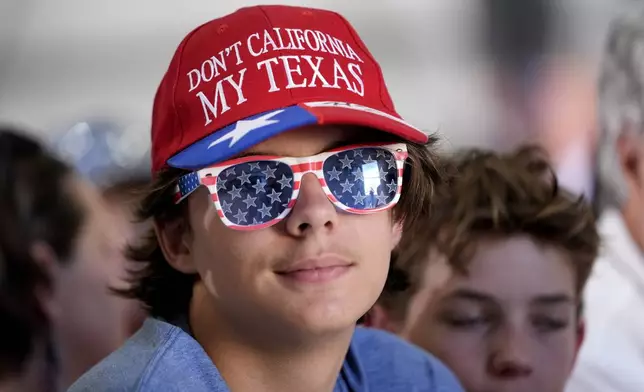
[253,360]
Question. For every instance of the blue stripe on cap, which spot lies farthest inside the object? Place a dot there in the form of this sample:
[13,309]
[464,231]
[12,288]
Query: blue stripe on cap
[240,136]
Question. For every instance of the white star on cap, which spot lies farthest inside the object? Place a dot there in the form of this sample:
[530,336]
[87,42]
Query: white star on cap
[243,127]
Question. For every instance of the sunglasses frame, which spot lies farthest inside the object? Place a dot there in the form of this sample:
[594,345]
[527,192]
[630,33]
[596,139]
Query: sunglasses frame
[300,166]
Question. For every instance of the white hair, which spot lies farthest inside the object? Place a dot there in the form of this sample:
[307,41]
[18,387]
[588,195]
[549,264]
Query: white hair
[621,102]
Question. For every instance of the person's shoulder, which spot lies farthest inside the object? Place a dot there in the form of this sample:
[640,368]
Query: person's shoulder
[160,357]
[612,364]
[124,368]
[392,364]
[610,357]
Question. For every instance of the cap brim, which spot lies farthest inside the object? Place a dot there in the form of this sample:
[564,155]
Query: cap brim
[244,134]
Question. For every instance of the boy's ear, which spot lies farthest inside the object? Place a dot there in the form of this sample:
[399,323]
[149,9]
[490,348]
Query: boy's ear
[174,239]
[46,259]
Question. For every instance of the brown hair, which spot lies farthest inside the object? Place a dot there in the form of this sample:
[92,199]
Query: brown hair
[490,195]
[36,204]
[166,292]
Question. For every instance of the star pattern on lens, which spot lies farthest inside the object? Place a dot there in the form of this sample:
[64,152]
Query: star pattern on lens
[244,178]
[358,198]
[240,216]
[383,174]
[362,178]
[226,207]
[235,192]
[358,175]
[346,186]
[391,163]
[346,162]
[249,201]
[250,194]
[259,186]
[256,192]
[334,174]
[284,182]
[269,172]
[274,196]
[265,210]
[392,186]
[369,160]
[382,199]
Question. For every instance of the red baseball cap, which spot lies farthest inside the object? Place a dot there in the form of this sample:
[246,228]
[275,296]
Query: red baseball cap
[238,80]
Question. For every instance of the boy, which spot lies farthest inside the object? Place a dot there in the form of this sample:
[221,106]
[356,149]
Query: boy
[61,254]
[494,281]
[279,164]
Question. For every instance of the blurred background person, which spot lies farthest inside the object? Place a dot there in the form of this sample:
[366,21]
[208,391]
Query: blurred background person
[544,87]
[25,352]
[612,359]
[516,35]
[494,280]
[116,159]
[64,224]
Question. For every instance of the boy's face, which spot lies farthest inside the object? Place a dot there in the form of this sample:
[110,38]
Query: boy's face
[509,325]
[91,321]
[250,276]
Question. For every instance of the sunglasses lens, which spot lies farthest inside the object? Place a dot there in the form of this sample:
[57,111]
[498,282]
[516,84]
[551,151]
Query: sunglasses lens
[254,193]
[362,179]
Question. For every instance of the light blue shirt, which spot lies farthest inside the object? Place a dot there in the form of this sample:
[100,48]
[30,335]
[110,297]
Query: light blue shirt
[162,357]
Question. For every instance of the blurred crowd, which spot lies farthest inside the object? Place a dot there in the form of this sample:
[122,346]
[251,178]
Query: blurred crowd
[517,265]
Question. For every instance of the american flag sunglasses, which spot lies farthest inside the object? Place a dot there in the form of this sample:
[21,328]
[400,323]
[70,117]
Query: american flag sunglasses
[258,191]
